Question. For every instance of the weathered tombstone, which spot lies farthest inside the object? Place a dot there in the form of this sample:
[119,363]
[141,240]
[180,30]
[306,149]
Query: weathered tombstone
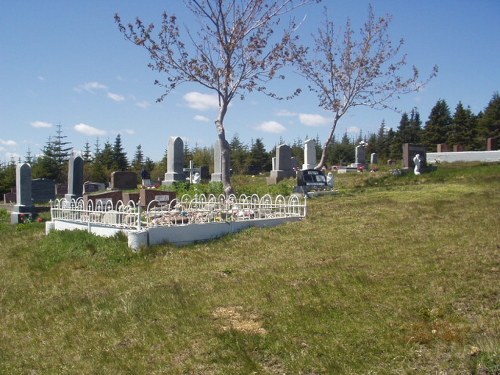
[75,178]
[146,177]
[9,197]
[442,147]
[283,165]
[24,205]
[309,154]
[43,190]
[373,158]
[410,151]
[93,187]
[217,175]
[61,190]
[175,161]
[158,197]
[123,180]
[491,144]
[360,154]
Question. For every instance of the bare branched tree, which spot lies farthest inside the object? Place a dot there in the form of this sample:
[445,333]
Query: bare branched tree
[230,48]
[356,71]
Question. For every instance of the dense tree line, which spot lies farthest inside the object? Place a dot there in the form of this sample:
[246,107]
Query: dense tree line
[462,127]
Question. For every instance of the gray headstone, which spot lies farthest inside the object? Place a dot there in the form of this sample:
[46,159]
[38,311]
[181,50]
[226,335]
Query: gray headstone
[309,154]
[24,206]
[175,161]
[217,175]
[373,158]
[283,168]
[75,178]
[284,158]
[361,154]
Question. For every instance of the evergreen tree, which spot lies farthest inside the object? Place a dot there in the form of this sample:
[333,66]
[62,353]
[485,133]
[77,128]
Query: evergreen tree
[138,160]
[87,154]
[120,162]
[259,160]
[437,126]
[343,153]
[239,155]
[46,167]
[61,152]
[415,126]
[404,129]
[106,157]
[488,124]
[463,128]
[158,172]
[28,158]
[382,142]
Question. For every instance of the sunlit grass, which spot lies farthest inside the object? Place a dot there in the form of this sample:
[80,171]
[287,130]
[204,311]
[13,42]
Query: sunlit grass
[395,277]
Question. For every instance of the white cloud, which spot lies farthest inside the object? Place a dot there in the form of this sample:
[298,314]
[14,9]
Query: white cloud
[201,102]
[201,118]
[91,87]
[116,97]
[129,131]
[41,124]
[88,130]
[271,127]
[353,129]
[8,142]
[143,104]
[285,113]
[41,78]
[309,119]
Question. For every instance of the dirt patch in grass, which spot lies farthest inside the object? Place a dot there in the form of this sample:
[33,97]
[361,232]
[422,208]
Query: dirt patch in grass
[235,318]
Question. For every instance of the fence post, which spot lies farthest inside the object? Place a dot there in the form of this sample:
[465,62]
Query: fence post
[139,211]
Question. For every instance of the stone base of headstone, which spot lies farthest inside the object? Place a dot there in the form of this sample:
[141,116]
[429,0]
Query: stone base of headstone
[171,177]
[277,176]
[216,177]
[20,213]
[70,197]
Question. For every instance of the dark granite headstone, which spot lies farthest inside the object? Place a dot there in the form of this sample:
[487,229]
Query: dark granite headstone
[409,152]
[123,180]
[43,190]
[75,178]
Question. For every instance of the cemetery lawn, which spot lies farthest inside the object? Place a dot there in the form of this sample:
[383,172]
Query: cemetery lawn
[393,275]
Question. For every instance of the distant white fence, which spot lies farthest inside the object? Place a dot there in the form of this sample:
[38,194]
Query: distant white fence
[186,220]
[463,156]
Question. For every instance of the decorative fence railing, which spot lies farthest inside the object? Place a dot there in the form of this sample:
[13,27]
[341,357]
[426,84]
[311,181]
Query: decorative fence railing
[187,210]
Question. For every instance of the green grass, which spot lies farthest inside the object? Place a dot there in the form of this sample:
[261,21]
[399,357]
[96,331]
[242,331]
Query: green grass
[393,275]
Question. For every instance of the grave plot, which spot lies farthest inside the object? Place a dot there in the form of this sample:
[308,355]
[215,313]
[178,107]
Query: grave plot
[177,221]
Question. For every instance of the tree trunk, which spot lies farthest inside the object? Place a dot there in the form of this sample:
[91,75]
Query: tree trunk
[224,150]
[327,144]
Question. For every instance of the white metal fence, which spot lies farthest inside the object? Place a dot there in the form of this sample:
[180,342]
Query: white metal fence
[187,210]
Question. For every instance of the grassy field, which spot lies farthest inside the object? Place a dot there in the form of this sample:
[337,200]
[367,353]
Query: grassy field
[393,275]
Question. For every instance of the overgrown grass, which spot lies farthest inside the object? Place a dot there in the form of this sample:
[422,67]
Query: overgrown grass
[392,275]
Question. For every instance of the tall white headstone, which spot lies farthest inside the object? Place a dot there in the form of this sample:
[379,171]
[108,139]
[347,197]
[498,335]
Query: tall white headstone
[309,154]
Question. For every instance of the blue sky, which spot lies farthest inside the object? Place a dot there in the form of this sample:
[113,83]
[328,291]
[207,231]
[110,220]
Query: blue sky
[65,62]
